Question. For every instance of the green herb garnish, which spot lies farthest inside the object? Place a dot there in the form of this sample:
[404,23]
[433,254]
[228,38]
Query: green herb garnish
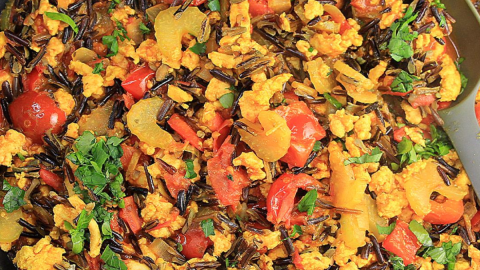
[317,146]
[307,204]
[112,260]
[227,100]
[403,83]
[373,157]
[77,233]
[296,229]
[207,227]
[386,230]
[112,42]
[420,232]
[98,68]
[14,197]
[190,173]
[145,30]
[214,5]
[333,101]
[399,44]
[397,264]
[199,48]
[64,18]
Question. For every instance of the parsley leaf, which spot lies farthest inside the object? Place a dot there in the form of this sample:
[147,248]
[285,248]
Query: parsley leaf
[112,5]
[190,173]
[397,264]
[229,263]
[446,254]
[399,44]
[20,156]
[296,229]
[14,197]
[386,230]
[179,247]
[463,78]
[373,157]
[145,30]
[112,42]
[64,18]
[438,4]
[307,204]
[317,146]
[98,68]
[333,101]
[78,234]
[403,83]
[311,49]
[207,227]
[420,232]
[214,5]
[199,48]
[227,100]
[112,261]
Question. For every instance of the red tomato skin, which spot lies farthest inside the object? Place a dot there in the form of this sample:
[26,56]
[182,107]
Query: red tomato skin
[136,81]
[477,112]
[129,214]
[305,132]
[34,80]
[398,134]
[51,179]
[447,212]
[422,100]
[187,133]
[344,27]
[228,191]
[35,113]
[402,242]
[194,242]
[281,196]
[176,182]
[399,94]
[259,7]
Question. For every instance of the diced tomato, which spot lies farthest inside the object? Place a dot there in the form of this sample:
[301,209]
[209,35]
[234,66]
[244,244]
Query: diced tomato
[136,81]
[443,105]
[51,179]
[176,182]
[35,113]
[344,27]
[449,211]
[34,80]
[259,7]
[178,123]
[305,132]
[228,185]
[477,112]
[114,224]
[194,243]
[194,3]
[281,196]
[129,214]
[127,154]
[402,242]
[298,218]
[297,260]
[398,134]
[422,100]
[476,222]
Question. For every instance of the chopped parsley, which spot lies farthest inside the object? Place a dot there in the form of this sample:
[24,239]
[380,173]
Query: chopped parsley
[446,254]
[399,44]
[207,227]
[228,263]
[333,100]
[113,4]
[214,5]
[463,78]
[307,204]
[112,42]
[311,49]
[317,146]
[14,197]
[20,156]
[199,48]
[296,229]
[98,166]
[98,68]
[112,261]
[64,18]
[227,100]
[190,173]
[179,247]
[387,229]
[397,264]
[438,4]
[403,83]
[230,177]
[145,30]
[78,233]
[373,157]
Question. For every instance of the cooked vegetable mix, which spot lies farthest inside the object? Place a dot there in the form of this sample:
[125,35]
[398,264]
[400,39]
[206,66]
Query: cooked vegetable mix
[215,134]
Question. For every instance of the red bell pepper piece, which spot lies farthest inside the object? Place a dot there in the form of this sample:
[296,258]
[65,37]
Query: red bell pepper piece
[51,179]
[449,211]
[402,242]
[185,131]
[398,134]
[259,7]
[136,81]
[176,182]
[129,214]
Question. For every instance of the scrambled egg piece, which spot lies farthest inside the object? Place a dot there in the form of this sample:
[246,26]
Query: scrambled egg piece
[239,16]
[127,49]
[190,59]
[269,239]
[42,256]
[92,83]
[54,48]
[253,164]
[475,255]
[412,115]
[72,130]
[377,72]
[257,100]
[321,164]
[223,243]
[178,95]
[3,44]
[121,14]
[216,88]
[305,48]
[53,26]
[451,82]
[149,51]
[341,123]
[391,204]
[313,9]
[333,45]
[415,134]
[343,254]
[157,207]
[112,73]
[397,9]
[383,181]
[64,100]
[265,262]
[223,60]
[285,23]
[11,143]
[134,265]
[362,127]
[426,42]
[315,260]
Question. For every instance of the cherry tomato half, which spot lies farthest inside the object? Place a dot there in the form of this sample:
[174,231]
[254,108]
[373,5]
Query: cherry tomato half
[194,243]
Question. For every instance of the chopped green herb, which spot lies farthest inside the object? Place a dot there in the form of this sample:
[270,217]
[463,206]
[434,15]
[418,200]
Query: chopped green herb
[199,48]
[454,230]
[420,232]
[14,197]
[214,5]
[64,18]
[397,264]
[317,146]
[190,173]
[145,30]
[98,68]
[229,263]
[78,233]
[232,88]
[333,101]
[463,78]
[399,44]
[227,100]
[403,83]
[446,254]
[207,227]
[296,229]
[112,5]
[112,42]
[230,177]
[112,260]
[438,4]
[373,157]
[179,247]
[307,204]
[386,230]
[20,156]
[311,49]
